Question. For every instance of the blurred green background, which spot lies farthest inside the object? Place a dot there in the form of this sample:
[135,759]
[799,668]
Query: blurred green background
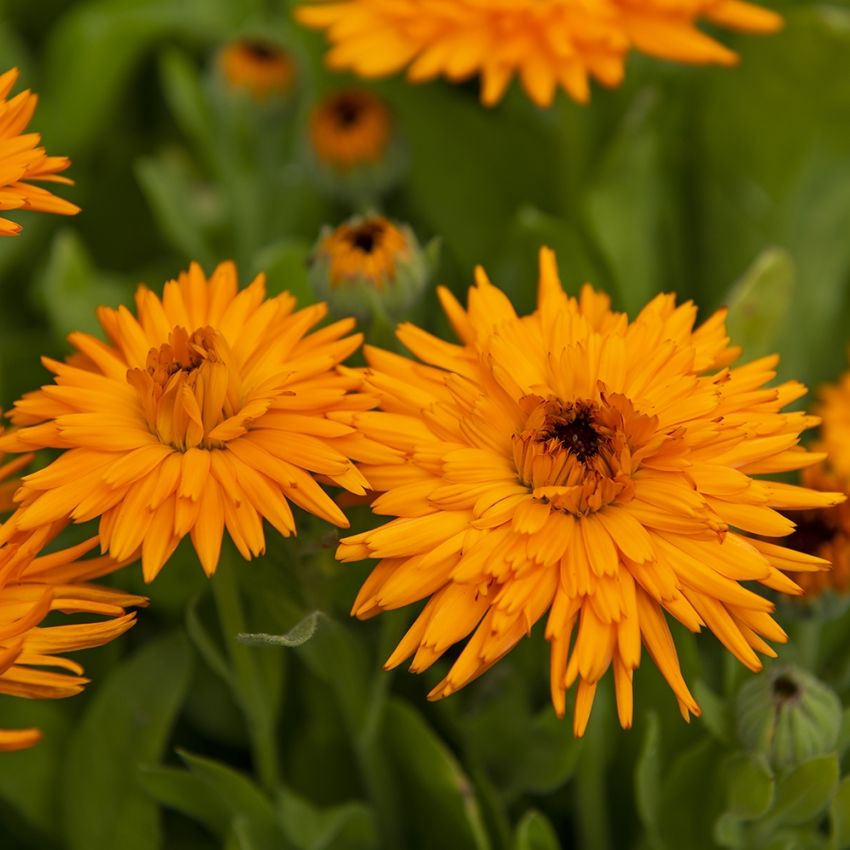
[731,187]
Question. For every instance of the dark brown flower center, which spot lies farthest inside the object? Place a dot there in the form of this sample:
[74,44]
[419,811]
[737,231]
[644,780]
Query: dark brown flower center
[347,110]
[812,532]
[366,237]
[263,51]
[572,426]
[785,690]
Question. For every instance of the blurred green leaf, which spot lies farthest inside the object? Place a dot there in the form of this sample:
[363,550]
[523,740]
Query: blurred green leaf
[648,776]
[758,302]
[805,791]
[716,713]
[349,826]
[749,785]
[626,204]
[516,268]
[71,288]
[299,634]
[127,722]
[772,169]
[185,792]
[439,802]
[182,88]
[243,801]
[839,817]
[459,153]
[693,775]
[534,832]
[286,266]
[174,196]
[95,47]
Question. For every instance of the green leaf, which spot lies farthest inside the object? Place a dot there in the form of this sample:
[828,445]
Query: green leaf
[71,288]
[626,204]
[286,266]
[534,832]
[185,793]
[839,817]
[648,775]
[749,785]
[516,269]
[127,723]
[243,801]
[439,802]
[716,715]
[350,826]
[804,792]
[94,49]
[299,634]
[187,99]
[758,303]
[176,200]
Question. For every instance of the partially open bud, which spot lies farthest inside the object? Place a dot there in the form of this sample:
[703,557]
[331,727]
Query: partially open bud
[259,67]
[789,715]
[370,265]
[355,149]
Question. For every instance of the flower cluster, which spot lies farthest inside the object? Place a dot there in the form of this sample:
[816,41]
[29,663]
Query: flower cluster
[560,43]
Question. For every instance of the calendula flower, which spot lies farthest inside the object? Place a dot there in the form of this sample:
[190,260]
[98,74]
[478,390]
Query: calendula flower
[350,128]
[22,160]
[824,533]
[558,43]
[32,585]
[261,68]
[368,262]
[9,482]
[575,463]
[209,410]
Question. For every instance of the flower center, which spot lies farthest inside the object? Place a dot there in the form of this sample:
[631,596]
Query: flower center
[263,51]
[577,455]
[347,109]
[572,426]
[367,236]
[188,388]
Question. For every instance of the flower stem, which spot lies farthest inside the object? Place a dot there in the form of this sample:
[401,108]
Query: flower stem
[246,681]
[592,808]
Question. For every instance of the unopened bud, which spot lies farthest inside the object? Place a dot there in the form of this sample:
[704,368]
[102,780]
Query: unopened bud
[369,265]
[789,715]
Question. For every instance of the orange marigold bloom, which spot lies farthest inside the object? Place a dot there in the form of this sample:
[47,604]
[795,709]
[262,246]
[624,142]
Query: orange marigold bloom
[575,463]
[259,67]
[350,128]
[22,160]
[826,534]
[208,411]
[547,44]
[31,586]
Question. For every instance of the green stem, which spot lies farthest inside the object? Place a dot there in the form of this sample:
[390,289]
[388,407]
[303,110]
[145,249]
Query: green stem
[592,809]
[246,681]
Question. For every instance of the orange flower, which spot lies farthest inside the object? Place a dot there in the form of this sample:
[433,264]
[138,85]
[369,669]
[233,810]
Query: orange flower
[22,160]
[208,411]
[350,128]
[259,67]
[31,586]
[559,43]
[575,463]
[824,533]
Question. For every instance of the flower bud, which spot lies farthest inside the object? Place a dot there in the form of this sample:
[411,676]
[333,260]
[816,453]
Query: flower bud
[260,68]
[789,715]
[369,266]
[355,150]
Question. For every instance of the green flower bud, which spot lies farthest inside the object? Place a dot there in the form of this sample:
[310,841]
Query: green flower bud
[355,151]
[789,715]
[370,267]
